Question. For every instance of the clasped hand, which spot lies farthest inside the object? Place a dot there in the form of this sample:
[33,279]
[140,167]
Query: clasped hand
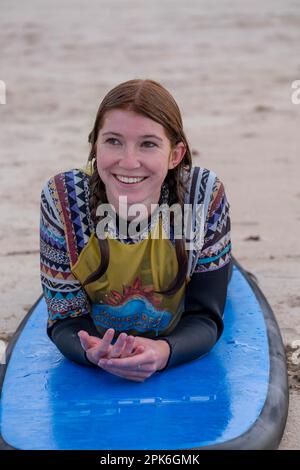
[131,357]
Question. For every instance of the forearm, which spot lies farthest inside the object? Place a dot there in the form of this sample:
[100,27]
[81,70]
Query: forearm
[202,322]
[194,336]
[64,335]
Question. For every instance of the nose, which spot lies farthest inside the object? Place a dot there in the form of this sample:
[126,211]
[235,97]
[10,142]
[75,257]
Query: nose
[129,160]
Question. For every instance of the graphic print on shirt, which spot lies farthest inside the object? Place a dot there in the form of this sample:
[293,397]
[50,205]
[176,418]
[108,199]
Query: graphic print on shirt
[136,308]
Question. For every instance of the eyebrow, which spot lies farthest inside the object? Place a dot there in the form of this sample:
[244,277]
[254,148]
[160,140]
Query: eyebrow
[147,136]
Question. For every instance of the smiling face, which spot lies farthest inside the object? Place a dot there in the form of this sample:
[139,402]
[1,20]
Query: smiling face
[133,157]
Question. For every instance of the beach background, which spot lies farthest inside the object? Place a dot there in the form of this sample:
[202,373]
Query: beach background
[229,65]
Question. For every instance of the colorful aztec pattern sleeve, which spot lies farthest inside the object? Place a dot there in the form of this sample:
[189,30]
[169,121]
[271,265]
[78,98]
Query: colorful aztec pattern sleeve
[216,250]
[63,293]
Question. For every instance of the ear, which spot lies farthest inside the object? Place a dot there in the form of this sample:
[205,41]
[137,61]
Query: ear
[176,155]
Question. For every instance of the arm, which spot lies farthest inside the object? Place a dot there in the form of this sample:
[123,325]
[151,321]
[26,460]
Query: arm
[65,298]
[197,332]
[201,324]
[67,302]
[195,335]
[64,334]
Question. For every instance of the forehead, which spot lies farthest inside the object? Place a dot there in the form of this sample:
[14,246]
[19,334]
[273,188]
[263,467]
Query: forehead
[130,123]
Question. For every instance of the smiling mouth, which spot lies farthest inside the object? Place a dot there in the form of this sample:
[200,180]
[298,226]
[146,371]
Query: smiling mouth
[129,179]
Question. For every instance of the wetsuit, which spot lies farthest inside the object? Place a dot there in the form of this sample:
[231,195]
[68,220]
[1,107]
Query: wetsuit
[191,321]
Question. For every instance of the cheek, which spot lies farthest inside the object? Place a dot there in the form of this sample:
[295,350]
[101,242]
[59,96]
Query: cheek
[99,165]
[158,165]
[104,162]
[160,170]
[101,169]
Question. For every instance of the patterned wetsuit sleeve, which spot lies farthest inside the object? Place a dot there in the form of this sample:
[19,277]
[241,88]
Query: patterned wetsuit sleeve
[63,293]
[216,250]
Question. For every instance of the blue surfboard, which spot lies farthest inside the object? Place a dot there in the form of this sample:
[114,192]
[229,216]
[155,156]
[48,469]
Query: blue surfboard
[236,397]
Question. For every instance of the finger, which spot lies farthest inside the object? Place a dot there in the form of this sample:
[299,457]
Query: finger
[141,371]
[129,346]
[139,349]
[108,337]
[128,363]
[85,341]
[117,348]
[95,340]
[103,347]
[138,377]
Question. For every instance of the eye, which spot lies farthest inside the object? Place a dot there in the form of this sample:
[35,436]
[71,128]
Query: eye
[151,143]
[111,140]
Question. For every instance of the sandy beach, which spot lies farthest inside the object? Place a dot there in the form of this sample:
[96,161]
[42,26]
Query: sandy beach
[229,65]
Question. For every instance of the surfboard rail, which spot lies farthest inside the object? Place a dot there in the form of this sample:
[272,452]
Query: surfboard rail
[267,431]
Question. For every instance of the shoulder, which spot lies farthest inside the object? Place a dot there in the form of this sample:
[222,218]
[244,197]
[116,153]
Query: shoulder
[68,194]
[216,248]
[69,180]
[203,185]
[206,193]
[66,187]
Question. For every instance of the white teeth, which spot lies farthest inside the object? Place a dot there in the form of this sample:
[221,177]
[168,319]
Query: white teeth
[125,179]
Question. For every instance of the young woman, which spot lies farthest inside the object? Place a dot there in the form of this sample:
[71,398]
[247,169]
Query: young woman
[135,304]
